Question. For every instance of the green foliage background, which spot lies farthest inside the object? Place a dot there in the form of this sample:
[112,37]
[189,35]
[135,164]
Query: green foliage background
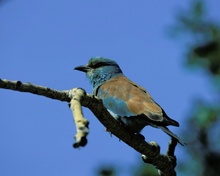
[201,38]
[202,53]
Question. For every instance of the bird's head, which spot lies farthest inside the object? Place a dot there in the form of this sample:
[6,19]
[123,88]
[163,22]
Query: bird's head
[99,70]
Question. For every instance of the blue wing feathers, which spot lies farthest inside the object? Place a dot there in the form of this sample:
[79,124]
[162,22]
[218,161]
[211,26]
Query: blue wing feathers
[126,99]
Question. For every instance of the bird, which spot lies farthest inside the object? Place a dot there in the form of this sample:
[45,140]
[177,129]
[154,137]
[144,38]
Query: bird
[125,100]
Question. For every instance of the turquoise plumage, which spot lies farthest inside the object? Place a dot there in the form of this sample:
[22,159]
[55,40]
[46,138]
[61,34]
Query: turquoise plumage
[125,100]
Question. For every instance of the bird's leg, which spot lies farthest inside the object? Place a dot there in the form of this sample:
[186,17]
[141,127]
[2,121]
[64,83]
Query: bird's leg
[140,136]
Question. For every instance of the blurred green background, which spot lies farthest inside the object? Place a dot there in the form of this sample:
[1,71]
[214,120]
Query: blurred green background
[200,36]
[175,49]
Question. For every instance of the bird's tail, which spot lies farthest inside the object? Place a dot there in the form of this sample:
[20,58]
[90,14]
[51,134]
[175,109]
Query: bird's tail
[166,130]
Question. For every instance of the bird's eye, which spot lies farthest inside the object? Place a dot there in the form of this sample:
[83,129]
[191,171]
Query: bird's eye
[98,65]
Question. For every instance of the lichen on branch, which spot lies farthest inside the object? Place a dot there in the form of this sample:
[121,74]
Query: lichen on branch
[82,124]
[165,163]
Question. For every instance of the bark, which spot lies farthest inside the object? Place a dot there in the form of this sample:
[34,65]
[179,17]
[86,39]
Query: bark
[77,97]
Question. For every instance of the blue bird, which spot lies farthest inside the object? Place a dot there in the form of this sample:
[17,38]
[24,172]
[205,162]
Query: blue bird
[125,100]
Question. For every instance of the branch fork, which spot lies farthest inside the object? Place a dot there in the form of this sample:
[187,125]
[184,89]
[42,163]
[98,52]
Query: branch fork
[77,98]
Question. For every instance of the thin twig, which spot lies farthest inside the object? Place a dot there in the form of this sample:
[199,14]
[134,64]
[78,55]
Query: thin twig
[34,89]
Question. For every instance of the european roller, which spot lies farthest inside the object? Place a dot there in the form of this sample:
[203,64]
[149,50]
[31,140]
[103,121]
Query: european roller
[125,100]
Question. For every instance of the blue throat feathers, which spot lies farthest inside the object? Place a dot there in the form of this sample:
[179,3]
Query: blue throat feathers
[99,76]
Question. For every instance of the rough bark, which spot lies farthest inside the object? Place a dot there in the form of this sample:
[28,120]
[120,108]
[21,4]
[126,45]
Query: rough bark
[77,97]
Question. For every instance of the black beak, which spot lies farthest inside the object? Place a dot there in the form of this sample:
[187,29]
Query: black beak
[82,68]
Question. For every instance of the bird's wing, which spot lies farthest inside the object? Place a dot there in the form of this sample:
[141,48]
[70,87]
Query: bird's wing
[125,98]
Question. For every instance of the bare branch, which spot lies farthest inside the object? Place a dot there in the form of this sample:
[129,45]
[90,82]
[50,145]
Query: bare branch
[150,151]
[82,124]
[34,89]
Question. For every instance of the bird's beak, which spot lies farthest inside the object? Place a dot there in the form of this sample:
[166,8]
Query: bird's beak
[83,68]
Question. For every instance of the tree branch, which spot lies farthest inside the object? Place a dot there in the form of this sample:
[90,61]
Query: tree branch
[34,89]
[77,97]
